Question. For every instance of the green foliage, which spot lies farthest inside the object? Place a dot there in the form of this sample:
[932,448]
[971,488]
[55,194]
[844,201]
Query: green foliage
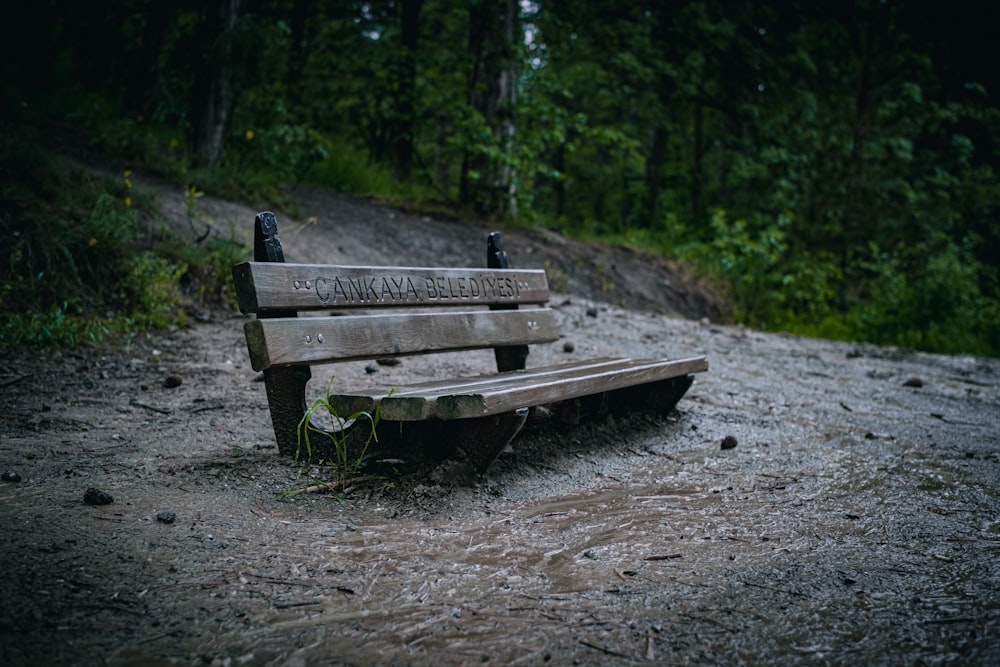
[206,258]
[771,286]
[207,276]
[929,297]
[56,328]
[151,288]
[268,148]
[851,146]
[140,141]
[347,168]
[75,270]
[68,236]
[558,279]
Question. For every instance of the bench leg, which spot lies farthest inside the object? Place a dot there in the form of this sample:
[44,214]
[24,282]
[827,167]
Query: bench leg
[481,440]
[286,398]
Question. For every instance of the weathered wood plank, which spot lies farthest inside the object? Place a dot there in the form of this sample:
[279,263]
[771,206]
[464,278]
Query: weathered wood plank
[503,397]
[316,340]
[465,398]
[262,286]
[417,401]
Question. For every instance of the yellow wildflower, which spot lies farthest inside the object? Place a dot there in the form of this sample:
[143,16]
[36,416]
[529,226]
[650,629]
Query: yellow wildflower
[92,242]
[128,202]
[249,135]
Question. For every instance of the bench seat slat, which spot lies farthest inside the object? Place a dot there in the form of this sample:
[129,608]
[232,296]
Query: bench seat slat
[285,341]
[465,398]
[500,398]
[410,402]
[262,286]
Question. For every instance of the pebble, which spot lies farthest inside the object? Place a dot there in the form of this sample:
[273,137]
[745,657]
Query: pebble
[914,382]
[166,516]
[94,496]
[568,347]
[729,442]
[371,368]
[10,477]
[173,381]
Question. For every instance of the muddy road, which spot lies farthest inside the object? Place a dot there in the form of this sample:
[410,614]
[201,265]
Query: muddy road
[852,516]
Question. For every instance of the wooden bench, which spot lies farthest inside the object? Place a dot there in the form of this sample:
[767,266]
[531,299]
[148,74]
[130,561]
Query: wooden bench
[391,311]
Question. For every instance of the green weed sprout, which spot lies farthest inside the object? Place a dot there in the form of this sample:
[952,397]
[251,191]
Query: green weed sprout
[346,464]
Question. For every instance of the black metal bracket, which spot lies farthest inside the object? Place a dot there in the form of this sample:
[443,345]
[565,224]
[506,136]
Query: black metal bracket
[286,387]
[511,357]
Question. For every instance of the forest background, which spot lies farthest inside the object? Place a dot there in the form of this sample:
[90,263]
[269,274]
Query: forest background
[827,166]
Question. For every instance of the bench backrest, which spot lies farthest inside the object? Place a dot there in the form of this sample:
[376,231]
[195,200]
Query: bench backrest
[383,311]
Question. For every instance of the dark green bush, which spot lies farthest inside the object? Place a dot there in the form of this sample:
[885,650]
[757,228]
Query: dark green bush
[75,269]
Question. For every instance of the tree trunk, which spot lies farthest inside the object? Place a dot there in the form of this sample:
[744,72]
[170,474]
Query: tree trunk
[493,36]
[404,121]
[654,175]
[211,90]
[560,182]
[697,165]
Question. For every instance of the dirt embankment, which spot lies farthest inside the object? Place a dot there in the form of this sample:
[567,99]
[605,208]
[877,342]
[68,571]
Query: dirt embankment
[854,520]
[349,229]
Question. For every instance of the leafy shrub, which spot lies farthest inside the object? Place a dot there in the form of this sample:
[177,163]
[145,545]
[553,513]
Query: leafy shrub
[771,286]
[930,297]
[74,270]
[151,288]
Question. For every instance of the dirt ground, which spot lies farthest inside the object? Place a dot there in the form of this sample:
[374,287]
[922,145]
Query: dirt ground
[856,519]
